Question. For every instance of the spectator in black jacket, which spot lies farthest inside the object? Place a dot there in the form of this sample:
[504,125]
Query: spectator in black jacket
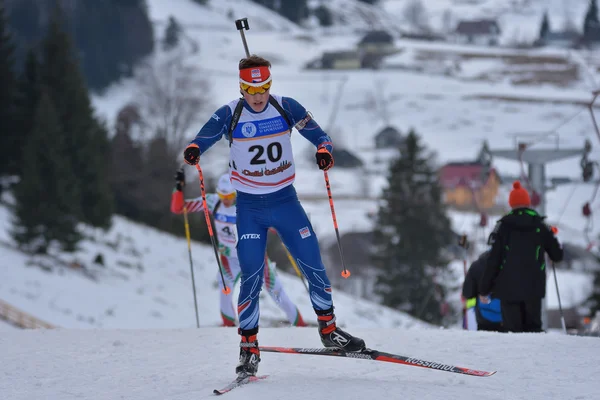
[488,315]
[516,267]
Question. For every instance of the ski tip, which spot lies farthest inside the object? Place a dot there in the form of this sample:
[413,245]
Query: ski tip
[238,382]
[484,373]
[475,372]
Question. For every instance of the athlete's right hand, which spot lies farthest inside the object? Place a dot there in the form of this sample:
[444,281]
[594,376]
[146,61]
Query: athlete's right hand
[191,154]
[180,178]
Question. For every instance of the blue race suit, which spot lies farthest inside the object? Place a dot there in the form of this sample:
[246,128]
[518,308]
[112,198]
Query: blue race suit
[262,170]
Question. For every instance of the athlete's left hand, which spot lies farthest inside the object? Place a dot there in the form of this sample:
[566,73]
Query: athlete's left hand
[324,159]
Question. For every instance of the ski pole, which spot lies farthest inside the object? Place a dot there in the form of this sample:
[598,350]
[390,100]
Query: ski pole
[242,24]
[226,289]
[562,315]
[289,256]
[189,243]
[345,272]
[462,242]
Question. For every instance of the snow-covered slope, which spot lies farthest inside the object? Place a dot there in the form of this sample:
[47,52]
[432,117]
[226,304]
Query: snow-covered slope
[146,283]
[189,364]
[5,326]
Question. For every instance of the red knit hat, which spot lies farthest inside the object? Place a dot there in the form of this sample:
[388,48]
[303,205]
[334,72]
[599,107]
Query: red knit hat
[518,196]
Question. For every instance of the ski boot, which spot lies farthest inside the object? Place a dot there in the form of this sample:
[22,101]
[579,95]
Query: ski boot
[332,336]
[249,353]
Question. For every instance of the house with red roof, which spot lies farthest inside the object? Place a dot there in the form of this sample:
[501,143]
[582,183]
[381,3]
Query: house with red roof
[471,185]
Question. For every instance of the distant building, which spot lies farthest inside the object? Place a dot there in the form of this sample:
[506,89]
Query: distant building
[469,185]
[428,37]
[348,59]
[374,46]
[388,138]
[481,32]
[377,42]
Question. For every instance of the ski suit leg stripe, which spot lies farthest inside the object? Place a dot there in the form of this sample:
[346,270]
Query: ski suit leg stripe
[269,278]
[226,267]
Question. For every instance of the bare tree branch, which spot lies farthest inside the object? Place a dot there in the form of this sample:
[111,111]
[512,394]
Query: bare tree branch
[416,14]
[172,99]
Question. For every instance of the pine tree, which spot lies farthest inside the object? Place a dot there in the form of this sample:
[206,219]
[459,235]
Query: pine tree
[87,140]
[172,34]
[270,4]
[112,36]
[591,23]
[126,172]
[7,93]
[47,195]
[158,173]
[544,27]
[27,97]
[412,229]
[127,166]
[295,11]
[324,15]
[97,198]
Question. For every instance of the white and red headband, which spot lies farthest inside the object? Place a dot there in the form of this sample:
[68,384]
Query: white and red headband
[255,76]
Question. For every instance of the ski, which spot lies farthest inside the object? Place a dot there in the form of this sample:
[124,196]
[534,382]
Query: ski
[237,382]
[376,355]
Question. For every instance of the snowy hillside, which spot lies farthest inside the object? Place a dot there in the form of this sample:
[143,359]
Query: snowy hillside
[189,364]
[221,15]
[146,283]
[5,326]
[491,94]
[147,273]
[519,20]
[453,115]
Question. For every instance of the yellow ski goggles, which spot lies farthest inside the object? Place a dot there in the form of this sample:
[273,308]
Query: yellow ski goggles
[230,196]
[255,89]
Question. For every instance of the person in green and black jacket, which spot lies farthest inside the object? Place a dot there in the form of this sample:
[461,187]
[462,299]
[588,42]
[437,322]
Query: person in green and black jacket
[516,268]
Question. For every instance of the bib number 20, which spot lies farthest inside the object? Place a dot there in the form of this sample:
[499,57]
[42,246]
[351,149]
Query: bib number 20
[273,150]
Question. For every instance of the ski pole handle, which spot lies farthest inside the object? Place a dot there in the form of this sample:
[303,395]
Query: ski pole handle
[241,25]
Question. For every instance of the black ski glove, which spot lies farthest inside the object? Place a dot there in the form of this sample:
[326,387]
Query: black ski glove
[191,154]
[324,159]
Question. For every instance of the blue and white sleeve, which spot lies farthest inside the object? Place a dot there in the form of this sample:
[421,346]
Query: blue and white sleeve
[310,129]
[213,129]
